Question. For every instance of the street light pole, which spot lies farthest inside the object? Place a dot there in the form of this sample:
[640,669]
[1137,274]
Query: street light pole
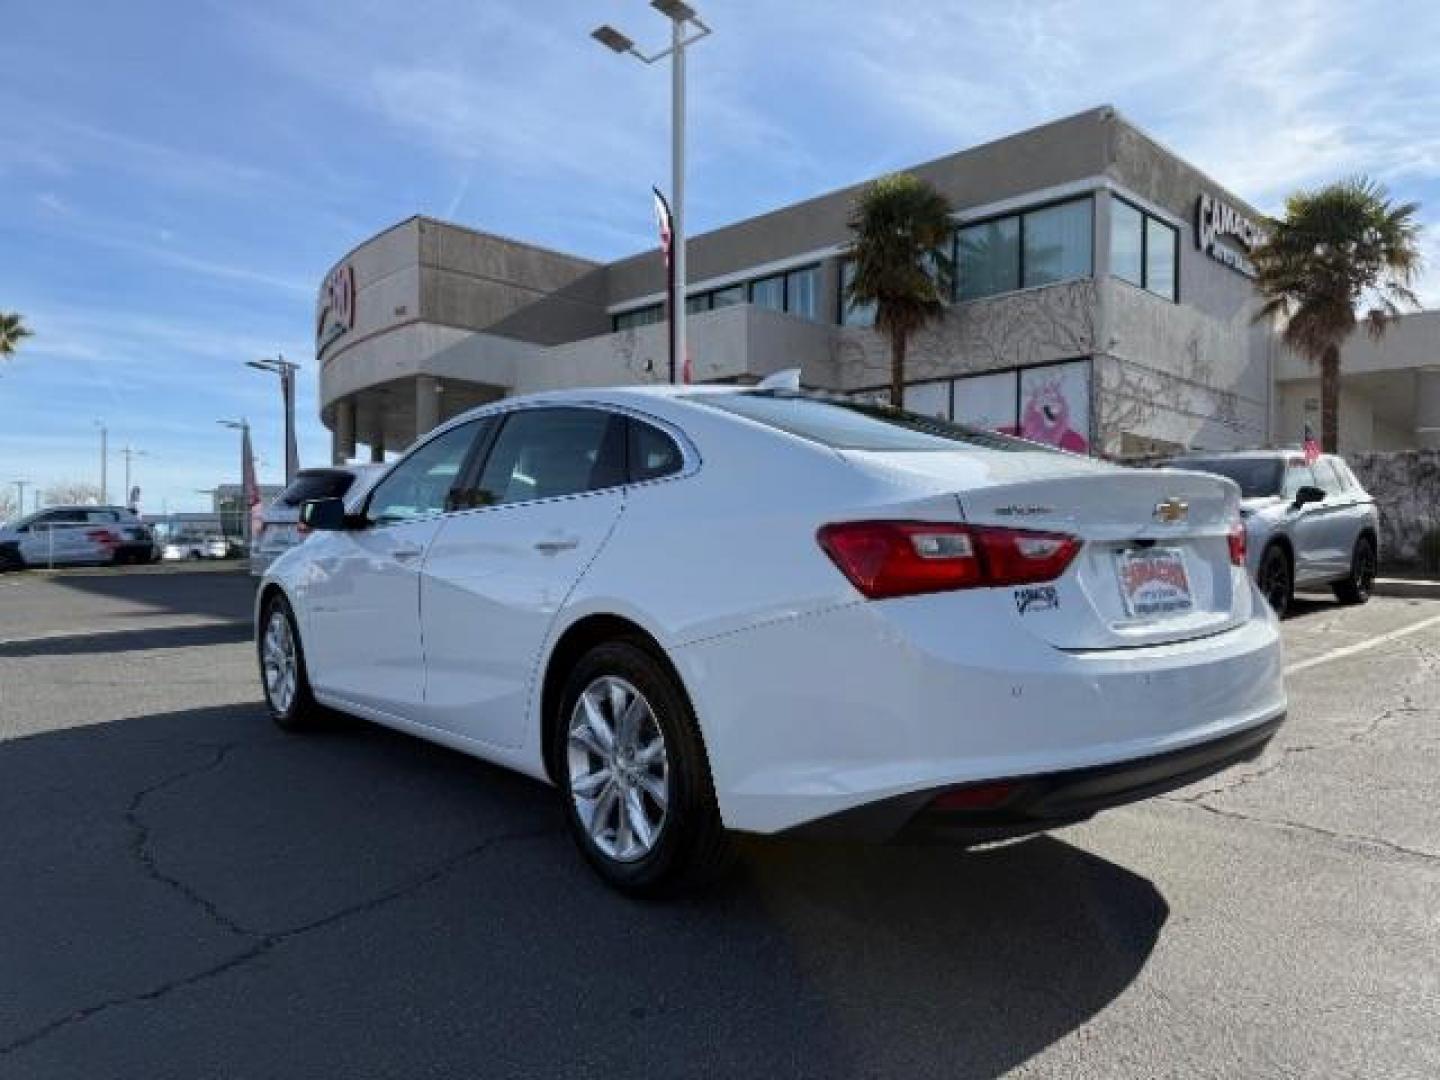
[249,486]
[286,370]
[104,462]
[128,454]
[681,16]
[20,486]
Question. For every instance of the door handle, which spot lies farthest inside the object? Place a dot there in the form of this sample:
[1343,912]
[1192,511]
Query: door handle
[552,547]
[405,554]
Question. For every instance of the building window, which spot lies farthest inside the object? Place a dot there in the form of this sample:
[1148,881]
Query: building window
[728,296]
[629,320]
[852,314]
[1127,243]
[769,292]
[1038,247]
[802,291]
[988,258]
[1144,250]
[1055,243]
[1160,250]
[699,302]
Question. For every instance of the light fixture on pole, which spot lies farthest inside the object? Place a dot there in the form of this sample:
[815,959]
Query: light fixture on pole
[286,370]
[20,486]
[682,17]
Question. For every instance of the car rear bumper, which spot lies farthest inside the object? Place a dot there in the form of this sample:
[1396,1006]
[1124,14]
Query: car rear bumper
[808,718]
[1030,804]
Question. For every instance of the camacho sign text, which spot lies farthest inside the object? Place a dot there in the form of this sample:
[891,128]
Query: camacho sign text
[1215,219]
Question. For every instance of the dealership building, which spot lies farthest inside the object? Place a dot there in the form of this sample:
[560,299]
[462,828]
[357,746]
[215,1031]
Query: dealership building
[1104,302]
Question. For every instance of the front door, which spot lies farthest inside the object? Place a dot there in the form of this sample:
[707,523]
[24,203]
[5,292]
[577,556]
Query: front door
[363,639]
[548,496]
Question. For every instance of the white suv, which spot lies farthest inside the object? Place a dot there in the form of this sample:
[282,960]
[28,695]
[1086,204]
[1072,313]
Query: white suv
[71,535]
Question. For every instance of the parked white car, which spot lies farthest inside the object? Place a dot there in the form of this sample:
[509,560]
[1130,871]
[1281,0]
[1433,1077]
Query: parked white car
[700,610]
[1307,524]
[280,523]
[192,546]
[76,535]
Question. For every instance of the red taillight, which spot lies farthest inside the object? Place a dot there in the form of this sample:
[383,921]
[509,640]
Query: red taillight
[1237,544]
[102,536]
[905,558]
[974,797]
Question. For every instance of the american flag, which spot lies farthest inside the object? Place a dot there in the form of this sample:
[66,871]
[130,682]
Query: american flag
[1310,446]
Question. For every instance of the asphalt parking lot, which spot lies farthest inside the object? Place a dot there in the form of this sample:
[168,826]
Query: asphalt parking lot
[187,892]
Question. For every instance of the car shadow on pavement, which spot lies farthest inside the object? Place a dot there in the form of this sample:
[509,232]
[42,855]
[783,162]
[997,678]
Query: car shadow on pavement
[121,641]
[195,893]
[221,594]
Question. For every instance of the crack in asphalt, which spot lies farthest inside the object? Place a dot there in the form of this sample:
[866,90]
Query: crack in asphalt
[260,942]
[1300,826]
[140,848]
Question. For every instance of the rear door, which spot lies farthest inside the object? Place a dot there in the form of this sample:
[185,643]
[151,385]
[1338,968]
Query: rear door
[544,502]
[55,538]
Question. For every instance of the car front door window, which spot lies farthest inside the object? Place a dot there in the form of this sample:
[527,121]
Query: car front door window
[549,453]
[420,485]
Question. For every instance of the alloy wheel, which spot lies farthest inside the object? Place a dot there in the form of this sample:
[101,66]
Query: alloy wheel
[618,768]
[279,663]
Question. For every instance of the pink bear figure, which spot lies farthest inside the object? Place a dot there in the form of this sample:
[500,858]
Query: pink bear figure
[1046,419]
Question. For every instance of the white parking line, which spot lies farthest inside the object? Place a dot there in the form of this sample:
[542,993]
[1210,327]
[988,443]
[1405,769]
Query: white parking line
[1351,650]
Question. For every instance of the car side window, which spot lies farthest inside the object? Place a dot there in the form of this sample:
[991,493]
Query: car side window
[545,453]
[1298,475]
[419,486]
[652,453]
[1329,477]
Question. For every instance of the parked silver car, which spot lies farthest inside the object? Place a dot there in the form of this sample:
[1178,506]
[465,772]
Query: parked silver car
[72,535]
[1305,525]
[279,529]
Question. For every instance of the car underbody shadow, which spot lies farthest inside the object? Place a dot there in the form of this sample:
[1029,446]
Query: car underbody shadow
[194,893]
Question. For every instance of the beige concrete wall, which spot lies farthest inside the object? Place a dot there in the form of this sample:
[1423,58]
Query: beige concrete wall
[1413,342]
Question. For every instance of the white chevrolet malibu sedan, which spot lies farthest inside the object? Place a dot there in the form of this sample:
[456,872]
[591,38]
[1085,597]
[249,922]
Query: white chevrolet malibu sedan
[697,611]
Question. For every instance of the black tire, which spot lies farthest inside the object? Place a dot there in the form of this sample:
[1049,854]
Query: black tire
[301,712]
[1356,588]
[10,558]
[1276,579]
[691,847]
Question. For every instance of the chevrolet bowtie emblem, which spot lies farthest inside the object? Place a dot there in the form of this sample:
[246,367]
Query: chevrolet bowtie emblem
[1171,510]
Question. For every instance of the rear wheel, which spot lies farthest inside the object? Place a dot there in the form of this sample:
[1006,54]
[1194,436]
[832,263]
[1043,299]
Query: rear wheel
[1355,589]
[282,669]
[633,770]
[1276,579]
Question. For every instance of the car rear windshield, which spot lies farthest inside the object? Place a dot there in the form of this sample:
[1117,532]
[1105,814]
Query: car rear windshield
[1257,477]
[854,425]
[317,485]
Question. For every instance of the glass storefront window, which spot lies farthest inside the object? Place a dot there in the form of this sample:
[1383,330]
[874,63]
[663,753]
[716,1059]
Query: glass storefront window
[629,320]
[694,304]
[1127,242]
[1057,242]
[989,258]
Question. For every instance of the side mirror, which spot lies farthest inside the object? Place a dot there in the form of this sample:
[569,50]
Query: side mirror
[1309,494]
[325,515]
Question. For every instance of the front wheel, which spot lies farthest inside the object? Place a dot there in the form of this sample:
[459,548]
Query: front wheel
[283,675]
[633,770]
[1356,588]
[1275,579]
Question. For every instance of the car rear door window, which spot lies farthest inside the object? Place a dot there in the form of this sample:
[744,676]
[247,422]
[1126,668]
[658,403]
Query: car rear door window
[652,453]
[546,453]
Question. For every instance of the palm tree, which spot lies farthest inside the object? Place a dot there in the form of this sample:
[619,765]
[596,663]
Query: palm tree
[11,332]
[1337,249]
[901,248]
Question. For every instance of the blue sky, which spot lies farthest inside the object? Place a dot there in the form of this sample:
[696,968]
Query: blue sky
[176,177]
